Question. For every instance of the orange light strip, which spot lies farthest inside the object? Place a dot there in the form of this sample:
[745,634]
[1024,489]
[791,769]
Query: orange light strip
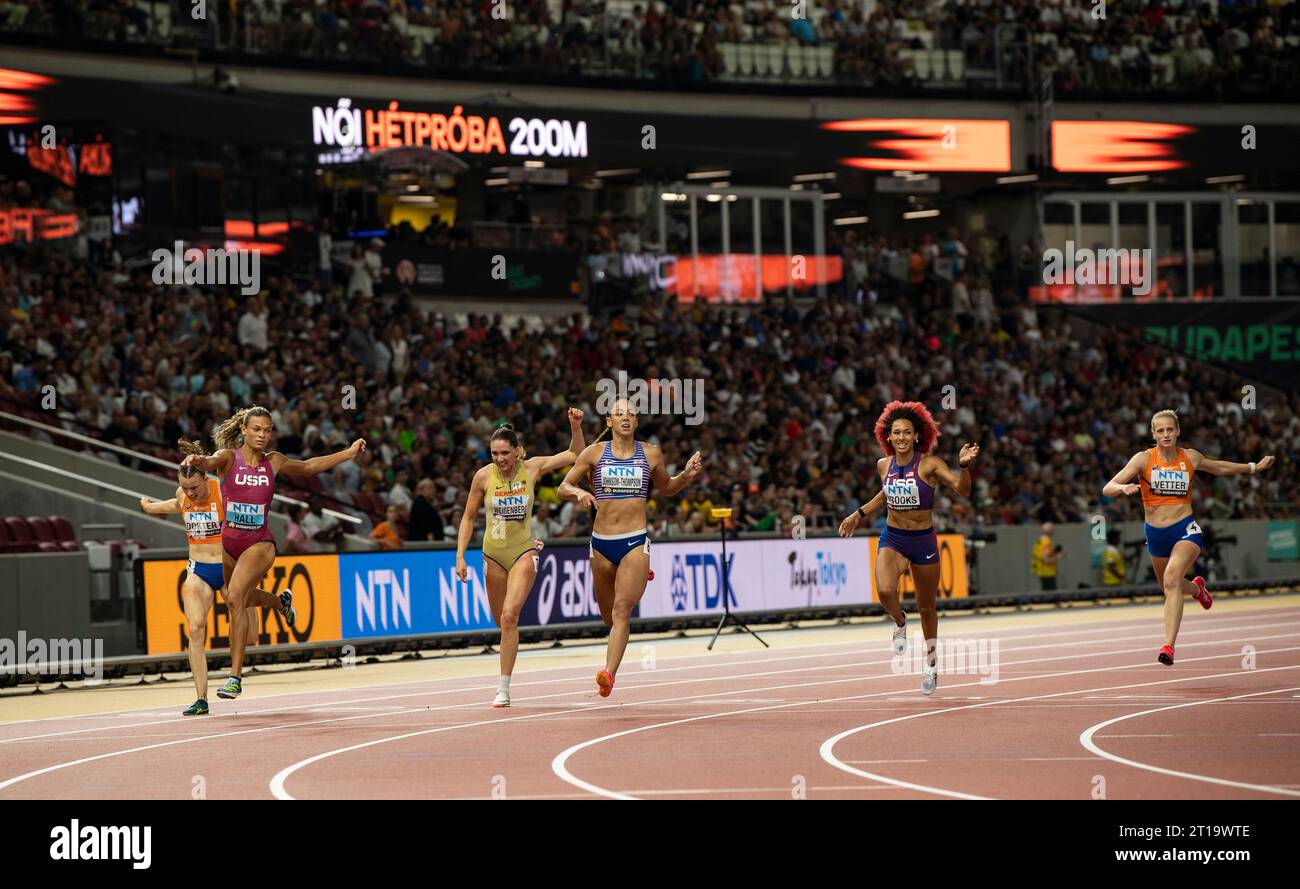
[11,106]
[1115,146]
[22,80]
[933,145]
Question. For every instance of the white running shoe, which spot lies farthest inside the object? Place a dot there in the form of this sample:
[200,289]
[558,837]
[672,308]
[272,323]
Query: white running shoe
[502,699]
[900,639]
[929,680]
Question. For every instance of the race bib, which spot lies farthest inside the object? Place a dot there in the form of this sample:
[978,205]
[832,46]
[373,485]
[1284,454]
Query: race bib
[246,516]
[510,508]
[623,480]
[1170,482]
[903,494]
[202,524]
[1192,528]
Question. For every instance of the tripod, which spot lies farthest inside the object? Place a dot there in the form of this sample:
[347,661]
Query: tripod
[726,586]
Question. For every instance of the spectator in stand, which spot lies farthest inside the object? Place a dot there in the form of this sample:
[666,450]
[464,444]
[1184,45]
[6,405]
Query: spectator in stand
[295,538]
[324,532]
[426,522]
[386,532]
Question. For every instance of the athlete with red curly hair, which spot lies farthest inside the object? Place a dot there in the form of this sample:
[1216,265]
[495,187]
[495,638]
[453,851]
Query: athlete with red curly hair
[908,478]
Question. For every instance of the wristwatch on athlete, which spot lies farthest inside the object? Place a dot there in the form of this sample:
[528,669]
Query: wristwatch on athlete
[862,515]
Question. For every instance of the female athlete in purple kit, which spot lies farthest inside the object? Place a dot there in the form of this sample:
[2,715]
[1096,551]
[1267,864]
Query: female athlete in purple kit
[909,476]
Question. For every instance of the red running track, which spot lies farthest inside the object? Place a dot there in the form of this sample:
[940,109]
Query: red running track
[1076,711]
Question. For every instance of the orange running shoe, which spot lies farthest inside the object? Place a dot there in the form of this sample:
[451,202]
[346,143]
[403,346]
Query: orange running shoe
[605,681]
[1166,656]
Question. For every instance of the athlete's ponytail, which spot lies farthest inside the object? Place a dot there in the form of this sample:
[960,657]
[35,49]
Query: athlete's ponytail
[228,436]
[187,448]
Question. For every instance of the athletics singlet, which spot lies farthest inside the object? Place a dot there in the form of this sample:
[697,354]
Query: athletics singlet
[248,493]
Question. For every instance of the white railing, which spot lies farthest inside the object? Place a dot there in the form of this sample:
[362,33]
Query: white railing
[134,455]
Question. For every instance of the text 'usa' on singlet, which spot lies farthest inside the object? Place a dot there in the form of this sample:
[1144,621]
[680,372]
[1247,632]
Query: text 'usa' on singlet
[904,488]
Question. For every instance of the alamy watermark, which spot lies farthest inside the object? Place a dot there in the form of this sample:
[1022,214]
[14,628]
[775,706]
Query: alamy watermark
[668,396]
[94,843]
[34,657]
[1087,266]
[208,267]
[977,657]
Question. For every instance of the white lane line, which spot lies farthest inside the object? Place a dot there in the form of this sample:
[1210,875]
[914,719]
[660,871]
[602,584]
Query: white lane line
[828,746]
[559,765]
[1013,635]
[284,773]
[1086,739]
[710,679]
[704,666]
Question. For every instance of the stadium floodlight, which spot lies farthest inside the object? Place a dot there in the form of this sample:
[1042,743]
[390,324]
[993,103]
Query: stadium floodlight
[852,220]
[921,214]
[1127,180]
[672,196]
[832,196]
[812,177]
[536,165]
[1012,180]
[1224,180]
[709,174]
[496,182]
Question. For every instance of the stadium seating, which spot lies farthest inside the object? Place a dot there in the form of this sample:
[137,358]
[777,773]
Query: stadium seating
[756,42]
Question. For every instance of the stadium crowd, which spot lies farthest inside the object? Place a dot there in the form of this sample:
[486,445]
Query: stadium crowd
[1152,45]
[792,392]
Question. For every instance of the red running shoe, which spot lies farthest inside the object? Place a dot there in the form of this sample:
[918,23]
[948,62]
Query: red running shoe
[1203,596]
[605,680]
[1166,656]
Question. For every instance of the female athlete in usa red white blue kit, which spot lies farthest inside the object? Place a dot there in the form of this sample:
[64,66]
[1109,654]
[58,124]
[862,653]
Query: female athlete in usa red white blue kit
[909,475]
[248,473]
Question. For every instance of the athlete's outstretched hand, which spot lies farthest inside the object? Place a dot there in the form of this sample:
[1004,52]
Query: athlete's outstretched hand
[694,466]
[575,417]
[192,460]
[358,448]
[850,524]
[969,452]
[587,499]
[1264,463]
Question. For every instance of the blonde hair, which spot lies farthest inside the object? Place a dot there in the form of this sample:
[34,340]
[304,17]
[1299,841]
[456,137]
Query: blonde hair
[1173,415]
[228,435]
[187,448]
